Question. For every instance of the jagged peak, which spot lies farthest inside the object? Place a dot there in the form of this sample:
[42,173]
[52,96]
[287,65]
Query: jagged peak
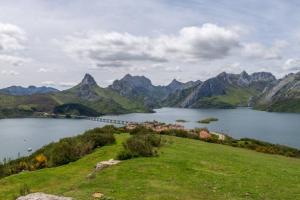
[88,80]
[136,79]
[244,73]
[175,81]
[127,76]
[175,84]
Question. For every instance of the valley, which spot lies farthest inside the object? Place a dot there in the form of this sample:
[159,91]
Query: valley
[260,90]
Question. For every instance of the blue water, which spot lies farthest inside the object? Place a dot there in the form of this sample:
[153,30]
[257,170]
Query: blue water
[17,135]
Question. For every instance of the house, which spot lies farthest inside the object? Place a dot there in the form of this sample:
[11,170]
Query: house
[204,134]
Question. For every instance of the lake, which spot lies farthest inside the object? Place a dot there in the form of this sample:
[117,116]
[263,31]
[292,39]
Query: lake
[17,135]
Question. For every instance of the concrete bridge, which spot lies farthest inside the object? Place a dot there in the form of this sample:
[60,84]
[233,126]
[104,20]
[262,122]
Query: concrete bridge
[110,121]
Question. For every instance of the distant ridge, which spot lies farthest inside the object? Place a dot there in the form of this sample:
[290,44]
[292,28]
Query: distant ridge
[141,88]
[260,90]
[19,90]
[222,91]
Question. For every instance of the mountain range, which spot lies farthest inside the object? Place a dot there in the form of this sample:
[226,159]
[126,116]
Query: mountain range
[284,96]
[260,90]
[86,98]
[20,91]
[223,91]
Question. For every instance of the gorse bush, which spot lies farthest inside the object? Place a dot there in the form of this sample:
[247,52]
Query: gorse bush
[180,133]
[141,130]
[140,146]
[142,143]
[62,152]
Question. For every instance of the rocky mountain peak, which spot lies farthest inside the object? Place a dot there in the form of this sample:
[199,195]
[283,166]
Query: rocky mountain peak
[136,81]
[244,79]
[174,85]
[244,74]
[86,88]
[88,80]
[263,76]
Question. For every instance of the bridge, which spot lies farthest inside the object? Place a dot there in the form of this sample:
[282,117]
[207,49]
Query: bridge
[110,121]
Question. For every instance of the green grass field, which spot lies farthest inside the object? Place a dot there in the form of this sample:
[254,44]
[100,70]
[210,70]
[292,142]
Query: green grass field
[185,169]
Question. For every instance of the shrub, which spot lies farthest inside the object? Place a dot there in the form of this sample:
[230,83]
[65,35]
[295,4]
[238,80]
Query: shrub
[141,130]
[154,140]
[41,161]
[140,146]
[180,133]
[124,155]
[98,138]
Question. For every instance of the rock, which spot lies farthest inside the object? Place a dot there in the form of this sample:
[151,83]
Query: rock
[284,96]
[104,164]
[98,195]
[42,196]
[86,89]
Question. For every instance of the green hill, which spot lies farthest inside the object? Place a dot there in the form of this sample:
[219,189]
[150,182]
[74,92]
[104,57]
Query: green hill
[185,169]
[89,98]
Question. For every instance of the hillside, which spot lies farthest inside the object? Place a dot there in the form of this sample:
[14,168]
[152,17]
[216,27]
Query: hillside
[87,96]
[102,100]
[185,169]
[282,97]
[223,91]
[140,88]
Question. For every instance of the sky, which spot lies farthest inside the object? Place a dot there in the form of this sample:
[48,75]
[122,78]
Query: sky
[55,42]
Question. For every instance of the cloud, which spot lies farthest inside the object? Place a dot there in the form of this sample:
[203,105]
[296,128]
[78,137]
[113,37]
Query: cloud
[292,65]
[11,37]
[12,40]
[44,70]
[67,84]
[259,51]
[49,83]
[60,84]
[206,42]
[10,72]
[13,60]
[113,49]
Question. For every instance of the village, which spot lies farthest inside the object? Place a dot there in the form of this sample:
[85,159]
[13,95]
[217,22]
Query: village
[158,127]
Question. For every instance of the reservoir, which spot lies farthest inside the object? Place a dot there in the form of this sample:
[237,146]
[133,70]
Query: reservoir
[18,135]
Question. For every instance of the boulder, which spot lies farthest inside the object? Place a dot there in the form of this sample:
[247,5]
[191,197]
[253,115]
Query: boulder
[42,196]
[104,164]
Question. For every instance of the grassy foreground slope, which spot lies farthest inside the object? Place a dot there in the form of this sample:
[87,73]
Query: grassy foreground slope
[185,169]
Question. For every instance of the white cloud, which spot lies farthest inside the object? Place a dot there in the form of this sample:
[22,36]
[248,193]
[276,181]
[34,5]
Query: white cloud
[12,40]
[49,83]
[292,65]
[206,42]
[13,60]
[67,84]
[11,37]
[113,49]
[44,70]
[10,72]
[173,69]
[60,84]
[259,51]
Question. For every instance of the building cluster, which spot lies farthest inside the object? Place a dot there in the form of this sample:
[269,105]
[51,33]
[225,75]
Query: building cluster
[156,126]
[159,126]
